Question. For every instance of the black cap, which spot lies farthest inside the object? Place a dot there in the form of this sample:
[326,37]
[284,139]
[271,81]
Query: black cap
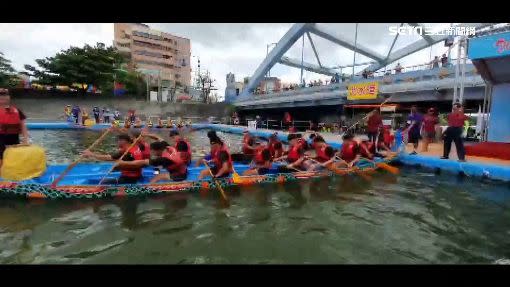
[125,137]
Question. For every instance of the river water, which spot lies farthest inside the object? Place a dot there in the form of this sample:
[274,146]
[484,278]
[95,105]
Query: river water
[417,217]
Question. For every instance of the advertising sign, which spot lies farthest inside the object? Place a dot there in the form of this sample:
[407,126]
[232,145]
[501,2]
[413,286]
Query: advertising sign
[363,91]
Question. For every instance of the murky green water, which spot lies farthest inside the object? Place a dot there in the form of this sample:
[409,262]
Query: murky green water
[417,217]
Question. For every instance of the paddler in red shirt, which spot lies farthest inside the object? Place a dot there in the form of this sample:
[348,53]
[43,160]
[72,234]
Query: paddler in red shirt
[295,155]
[454,132]
[262,161]
[349,154]
[324,154]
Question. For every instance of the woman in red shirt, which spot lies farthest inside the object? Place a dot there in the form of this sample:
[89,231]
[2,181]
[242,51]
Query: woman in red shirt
[430,121]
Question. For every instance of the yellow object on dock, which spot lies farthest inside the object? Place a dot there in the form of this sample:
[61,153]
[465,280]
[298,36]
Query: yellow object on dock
[90,122]
[23,162]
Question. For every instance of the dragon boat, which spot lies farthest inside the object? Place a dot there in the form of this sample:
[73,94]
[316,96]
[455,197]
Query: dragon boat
[83,181]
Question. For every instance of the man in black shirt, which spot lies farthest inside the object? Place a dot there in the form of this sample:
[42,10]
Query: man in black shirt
[12,123]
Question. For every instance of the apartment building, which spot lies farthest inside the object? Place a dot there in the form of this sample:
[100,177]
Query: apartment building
[161,54]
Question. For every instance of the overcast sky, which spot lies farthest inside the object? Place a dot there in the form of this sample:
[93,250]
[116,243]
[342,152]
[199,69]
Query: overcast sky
[222,48]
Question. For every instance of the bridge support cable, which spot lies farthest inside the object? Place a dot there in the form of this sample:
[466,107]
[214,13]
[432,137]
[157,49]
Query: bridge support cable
[355,49]
[313,48]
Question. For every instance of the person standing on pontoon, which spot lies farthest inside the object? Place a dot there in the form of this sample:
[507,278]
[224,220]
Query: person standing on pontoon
[453,133]
[415,119]
[12,123]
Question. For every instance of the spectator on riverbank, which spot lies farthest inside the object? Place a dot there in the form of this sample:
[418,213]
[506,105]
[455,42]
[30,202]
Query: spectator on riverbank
[364,74]
[430,122]
[106,116]
[415,120]
[374,122]
[96,112]
[337,78]
[444,61]
[76,113]
[398,69]
[116,115]
[454,131]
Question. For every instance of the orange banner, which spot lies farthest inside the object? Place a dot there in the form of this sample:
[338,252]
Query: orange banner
[363,91]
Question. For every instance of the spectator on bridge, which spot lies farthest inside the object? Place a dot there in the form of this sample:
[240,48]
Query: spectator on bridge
[430,122]
[398,69]
[374,122]
[364,74]
[435,62]
[415,119]
[453,133]
[444,61]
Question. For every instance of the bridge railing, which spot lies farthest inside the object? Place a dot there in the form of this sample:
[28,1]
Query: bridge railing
[387,79]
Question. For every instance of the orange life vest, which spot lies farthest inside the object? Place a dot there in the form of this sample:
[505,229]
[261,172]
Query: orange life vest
[247,150]
[349,151]
[216,157]
[136,154]
[274,151]
[388,138]
[188,153]
[294,153]
[321,154]
[179,159]
[145,148]
[10,121]
[259,158]
[370,146]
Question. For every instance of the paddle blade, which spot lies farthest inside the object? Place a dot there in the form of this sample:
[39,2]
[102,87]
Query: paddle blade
[389,168]
[237,178]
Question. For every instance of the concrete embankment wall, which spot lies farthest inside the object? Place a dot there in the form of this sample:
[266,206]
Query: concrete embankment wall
[53,108]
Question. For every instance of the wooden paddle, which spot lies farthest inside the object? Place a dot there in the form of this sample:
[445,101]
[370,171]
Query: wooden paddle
[72,165]
[387,167]
[120,158]
[382,104]
[223,194]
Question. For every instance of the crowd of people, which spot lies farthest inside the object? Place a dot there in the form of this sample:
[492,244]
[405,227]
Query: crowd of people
[79,114]
[425,128]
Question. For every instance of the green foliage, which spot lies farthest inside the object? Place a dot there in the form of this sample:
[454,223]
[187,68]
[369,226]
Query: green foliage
[94,65]
[7,77]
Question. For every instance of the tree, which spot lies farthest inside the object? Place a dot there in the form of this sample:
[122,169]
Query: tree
[94,65]
[6,72]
